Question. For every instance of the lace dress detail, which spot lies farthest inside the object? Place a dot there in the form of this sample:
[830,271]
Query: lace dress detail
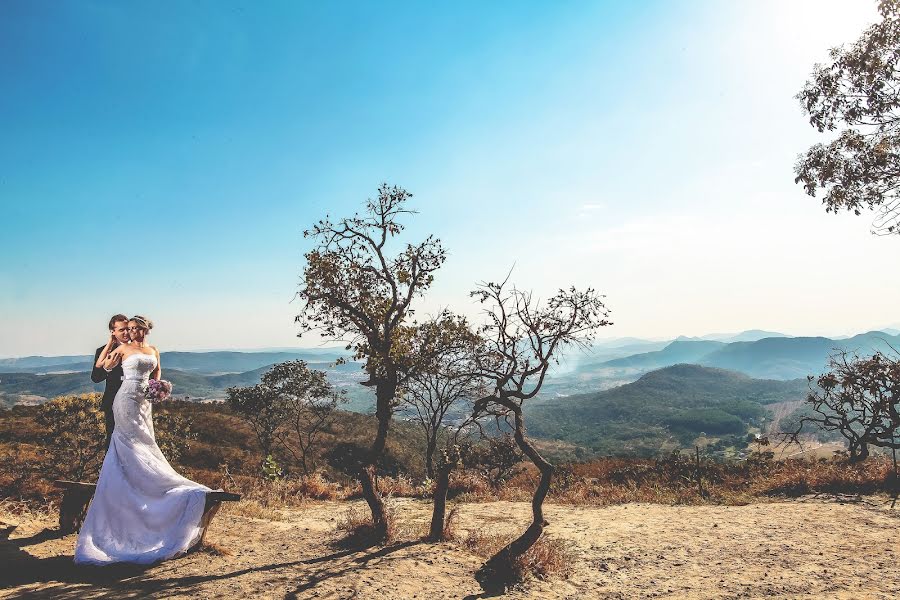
[143,511]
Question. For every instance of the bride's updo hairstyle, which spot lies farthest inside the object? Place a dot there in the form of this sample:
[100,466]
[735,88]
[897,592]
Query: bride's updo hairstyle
[142,322]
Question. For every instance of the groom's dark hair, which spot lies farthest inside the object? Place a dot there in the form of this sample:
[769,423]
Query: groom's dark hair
[115,319]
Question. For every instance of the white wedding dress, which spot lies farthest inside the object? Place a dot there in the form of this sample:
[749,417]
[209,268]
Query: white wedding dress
[143,511]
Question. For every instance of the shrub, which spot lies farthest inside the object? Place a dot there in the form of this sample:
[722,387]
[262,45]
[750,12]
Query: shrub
[547,558]
[74,435]
[359,532]
[174,433]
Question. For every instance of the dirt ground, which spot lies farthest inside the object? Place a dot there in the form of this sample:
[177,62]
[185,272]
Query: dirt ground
[814,548]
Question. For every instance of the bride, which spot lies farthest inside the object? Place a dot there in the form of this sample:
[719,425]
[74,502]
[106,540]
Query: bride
[143,511]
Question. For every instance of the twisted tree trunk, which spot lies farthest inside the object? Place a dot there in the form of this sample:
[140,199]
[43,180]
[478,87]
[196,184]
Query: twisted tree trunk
[859,451]
[384,393]
[500,571]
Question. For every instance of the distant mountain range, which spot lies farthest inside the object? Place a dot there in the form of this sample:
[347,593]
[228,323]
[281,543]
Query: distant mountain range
[751,335]
[770,357]
[197,375]
[679,351]
[203,362]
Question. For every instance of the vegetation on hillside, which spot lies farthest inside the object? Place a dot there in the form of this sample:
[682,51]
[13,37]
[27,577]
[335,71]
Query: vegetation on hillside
[665,410]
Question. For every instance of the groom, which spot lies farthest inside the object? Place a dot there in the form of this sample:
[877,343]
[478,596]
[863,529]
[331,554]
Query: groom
[118,331]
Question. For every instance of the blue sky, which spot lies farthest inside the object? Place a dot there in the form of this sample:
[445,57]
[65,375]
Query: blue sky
[164,158]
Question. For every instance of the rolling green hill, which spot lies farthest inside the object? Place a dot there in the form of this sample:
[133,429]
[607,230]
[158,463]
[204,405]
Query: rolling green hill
[664,409]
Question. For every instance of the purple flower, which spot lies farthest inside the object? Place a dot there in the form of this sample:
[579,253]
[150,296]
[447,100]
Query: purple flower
[157,390]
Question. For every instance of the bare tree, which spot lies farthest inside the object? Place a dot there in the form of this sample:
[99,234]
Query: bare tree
[354,290]
[450,380]
[858,398]
[521,340]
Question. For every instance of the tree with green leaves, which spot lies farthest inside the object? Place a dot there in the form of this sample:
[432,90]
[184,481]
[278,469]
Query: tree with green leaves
[857,95]
[288,409]
[310,402]
[265,411]
[358,287]
[438,390]
[521,339]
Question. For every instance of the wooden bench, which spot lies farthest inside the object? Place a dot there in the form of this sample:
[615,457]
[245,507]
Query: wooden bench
[73,508]
[77,496]
[214,501]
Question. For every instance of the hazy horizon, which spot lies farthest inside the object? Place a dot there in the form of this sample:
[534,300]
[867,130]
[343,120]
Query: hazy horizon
[332,347]
[166,162]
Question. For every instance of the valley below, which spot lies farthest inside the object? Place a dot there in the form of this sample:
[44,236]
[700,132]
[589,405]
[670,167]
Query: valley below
[626,398]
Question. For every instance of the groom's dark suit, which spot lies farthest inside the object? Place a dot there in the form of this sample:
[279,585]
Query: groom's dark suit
[113,383]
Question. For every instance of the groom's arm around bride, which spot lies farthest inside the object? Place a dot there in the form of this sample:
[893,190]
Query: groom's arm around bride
[118,334]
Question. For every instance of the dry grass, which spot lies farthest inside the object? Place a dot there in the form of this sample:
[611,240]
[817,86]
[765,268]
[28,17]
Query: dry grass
[25,473]
[252,509]
[13,511]
[450,524]
[214,549]
[403,486]
[546,559]
[673,480]
[286,492]
[483,542]
[355,528]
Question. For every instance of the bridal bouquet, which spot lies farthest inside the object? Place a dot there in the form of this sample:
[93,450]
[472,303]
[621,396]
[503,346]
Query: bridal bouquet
[157,390]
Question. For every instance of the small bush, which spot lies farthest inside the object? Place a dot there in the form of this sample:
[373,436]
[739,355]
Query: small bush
[74,435]
[316,487]
[547,558]
[214,549]
[469,485]
[357,531]
[174,433]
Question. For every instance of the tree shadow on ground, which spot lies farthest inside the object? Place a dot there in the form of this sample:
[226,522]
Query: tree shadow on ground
[59,578]
[345,568]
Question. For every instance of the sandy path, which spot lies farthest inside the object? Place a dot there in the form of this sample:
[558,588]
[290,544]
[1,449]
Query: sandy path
[809,549]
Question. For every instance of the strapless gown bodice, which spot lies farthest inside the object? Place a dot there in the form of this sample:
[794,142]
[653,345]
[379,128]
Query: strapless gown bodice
[137,367]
